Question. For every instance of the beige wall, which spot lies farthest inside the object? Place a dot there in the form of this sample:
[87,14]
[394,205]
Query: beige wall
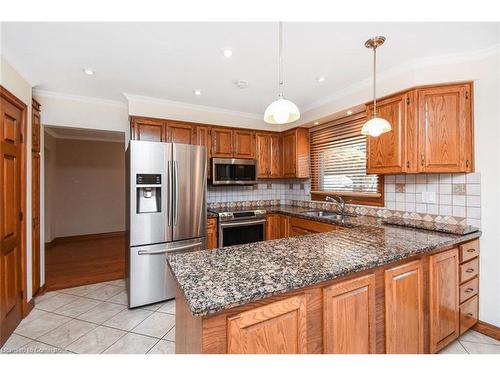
[86,191]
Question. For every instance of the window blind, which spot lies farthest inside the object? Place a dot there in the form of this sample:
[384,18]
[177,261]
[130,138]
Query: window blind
[338,157]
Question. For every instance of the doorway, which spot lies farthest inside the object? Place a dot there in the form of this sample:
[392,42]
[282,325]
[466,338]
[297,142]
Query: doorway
[84,206]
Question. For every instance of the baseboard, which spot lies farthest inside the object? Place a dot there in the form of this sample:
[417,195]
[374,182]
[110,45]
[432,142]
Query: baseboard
[83,237]
[487,329]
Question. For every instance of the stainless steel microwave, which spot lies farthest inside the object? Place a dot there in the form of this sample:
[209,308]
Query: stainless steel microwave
[229,171]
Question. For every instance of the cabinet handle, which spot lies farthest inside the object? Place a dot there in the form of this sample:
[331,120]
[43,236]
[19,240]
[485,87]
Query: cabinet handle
[469,290]
[407,164]
[470,270]
[470,315]
[471,250]
[422,158]
[467,163]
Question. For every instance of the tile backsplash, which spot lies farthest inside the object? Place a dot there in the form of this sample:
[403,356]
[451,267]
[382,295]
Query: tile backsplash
[452,198]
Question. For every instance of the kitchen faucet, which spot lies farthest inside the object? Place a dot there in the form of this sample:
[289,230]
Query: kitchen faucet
[339,200]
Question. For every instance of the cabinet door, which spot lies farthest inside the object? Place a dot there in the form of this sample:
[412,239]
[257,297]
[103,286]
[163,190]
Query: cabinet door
[386,153]
[35,127]
[349,316]
[273,227]
[179,132]
[404,309]
[212,233]
[35,220]
[262,154]
[203,139]
[284,223]
[243,144]
[289,155]
[275,156]
[276,328]
[222,143]
[444,313]
[149,130]
[445,139]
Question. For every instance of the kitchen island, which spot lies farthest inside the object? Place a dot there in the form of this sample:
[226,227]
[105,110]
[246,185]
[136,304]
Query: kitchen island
[362,288]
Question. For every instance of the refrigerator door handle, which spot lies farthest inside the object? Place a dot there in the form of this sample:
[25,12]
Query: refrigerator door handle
[169,193]
[176,191]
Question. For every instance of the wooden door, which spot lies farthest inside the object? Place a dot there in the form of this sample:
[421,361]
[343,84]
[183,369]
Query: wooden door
[11,293]
[273,227]
[289,155]
[276,328]
[149,130]
[222,143]
[445,129]
[35,126]
[35,220]
[180,132]
[203,139]
[212,233]
[386,153]
[404,309]
[284,223]
[349,316]
[275,156]
[243,143]
[444,296]
[262,155]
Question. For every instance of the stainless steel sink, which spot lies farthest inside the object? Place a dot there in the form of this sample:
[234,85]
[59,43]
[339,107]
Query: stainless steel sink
[325,214]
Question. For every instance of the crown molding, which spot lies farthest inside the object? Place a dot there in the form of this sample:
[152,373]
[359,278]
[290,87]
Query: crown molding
[78,98]
[194,107]
[54,134]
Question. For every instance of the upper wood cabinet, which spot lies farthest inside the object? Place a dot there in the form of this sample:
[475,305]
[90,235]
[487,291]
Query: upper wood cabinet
[443,297]
[244,143]
[404,311]
[268,155]
[276,328]
[222,142]
[295,153]
[431,132]
[180,132]
[156,130]
[232,143]
[349,316]
[203,139]
[35,126]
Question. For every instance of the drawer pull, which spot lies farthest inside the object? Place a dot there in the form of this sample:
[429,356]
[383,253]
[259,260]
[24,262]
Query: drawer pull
[469,290]
[470,270]
[471,250]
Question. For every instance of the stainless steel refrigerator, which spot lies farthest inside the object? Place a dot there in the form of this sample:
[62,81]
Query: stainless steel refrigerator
[166,213]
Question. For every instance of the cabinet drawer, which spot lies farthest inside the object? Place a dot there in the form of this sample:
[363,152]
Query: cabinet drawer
[469,270]
[469,289]
[468,314]
[469,250]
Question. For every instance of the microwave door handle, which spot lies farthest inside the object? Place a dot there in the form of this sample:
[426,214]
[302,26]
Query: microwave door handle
[242,223]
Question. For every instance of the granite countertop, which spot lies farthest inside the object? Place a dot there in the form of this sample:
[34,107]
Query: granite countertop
[215,280]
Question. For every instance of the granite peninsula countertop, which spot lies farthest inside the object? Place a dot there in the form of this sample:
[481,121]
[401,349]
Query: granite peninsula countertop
[215,280]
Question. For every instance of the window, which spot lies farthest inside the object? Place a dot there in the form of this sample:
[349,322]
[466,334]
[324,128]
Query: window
[338,162]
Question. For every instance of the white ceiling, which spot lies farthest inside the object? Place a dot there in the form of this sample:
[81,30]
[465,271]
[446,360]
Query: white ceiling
[170,60]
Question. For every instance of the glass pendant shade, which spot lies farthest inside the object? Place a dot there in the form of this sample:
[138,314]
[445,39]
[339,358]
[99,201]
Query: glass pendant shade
[281,111]
[375,127]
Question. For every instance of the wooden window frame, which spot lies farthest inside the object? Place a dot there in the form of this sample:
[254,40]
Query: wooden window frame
[366,199]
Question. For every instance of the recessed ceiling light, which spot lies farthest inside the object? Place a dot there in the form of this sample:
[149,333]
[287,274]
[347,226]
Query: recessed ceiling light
[197,92]
[316,122]
[349,112]
[227,52]
[320,79]
[241,83]
[88,71]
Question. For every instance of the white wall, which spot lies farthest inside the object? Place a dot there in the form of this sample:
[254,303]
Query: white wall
[18,86]
[484,69]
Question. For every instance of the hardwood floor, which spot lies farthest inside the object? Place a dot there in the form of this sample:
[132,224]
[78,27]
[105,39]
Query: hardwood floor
[81,260]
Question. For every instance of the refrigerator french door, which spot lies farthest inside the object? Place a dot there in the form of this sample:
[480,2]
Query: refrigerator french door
[166,192]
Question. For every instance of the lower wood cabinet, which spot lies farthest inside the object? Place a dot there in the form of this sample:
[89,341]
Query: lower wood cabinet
[212,233]
[276,328]
[277,226]
[349,316]
[299,227]
[443,299]
[404,311]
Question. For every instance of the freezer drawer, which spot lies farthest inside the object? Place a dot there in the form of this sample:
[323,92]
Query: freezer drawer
[150,279]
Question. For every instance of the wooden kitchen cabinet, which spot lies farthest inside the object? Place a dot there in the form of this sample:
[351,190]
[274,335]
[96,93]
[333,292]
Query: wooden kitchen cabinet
[276,328]
[469,284]
[243,141]
[404,313]
[432,131]
[295,153]
[203,139]
[232,143]
[299,227]
[180,132]
[268,155]
[277,226]
[444,299]
[349,316]
[212,233]
[222,143]
[147,129]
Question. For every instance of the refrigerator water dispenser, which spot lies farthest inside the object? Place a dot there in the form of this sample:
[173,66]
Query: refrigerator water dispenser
[148,193]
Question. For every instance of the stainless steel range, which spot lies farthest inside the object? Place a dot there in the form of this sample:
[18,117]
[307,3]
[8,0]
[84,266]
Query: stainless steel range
[240,226]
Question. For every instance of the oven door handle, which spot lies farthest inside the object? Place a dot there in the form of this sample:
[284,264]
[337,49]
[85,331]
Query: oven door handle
[242,223]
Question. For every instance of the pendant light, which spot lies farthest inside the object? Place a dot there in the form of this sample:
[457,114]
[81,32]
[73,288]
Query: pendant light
[281,111]
[376,125]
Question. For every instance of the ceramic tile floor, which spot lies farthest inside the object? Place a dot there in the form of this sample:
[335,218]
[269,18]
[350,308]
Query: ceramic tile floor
[94,319]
